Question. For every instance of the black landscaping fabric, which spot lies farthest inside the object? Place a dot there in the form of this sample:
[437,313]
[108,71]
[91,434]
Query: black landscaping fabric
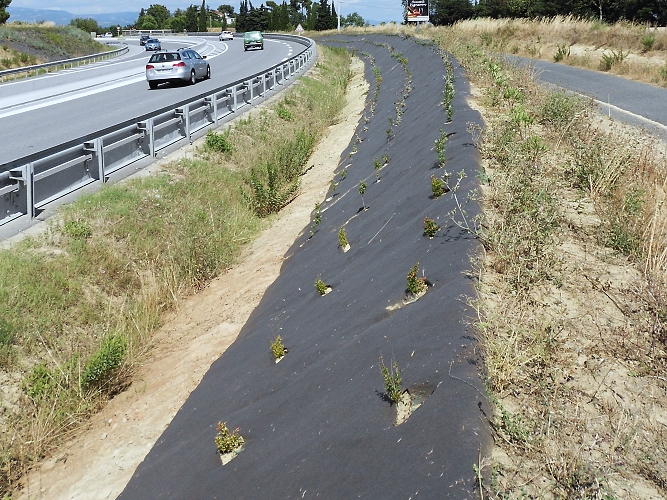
[318,424]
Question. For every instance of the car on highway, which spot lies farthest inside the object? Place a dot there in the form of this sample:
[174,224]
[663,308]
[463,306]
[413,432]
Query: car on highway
[153,44]
[143,39]
[181,65]
[226,35]
[253,39]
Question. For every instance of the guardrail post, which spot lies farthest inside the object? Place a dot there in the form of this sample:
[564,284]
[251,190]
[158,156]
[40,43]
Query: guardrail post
[95,147]
[264,84]
[250,87]
[212,102]
[184,113]
[24,175]
[147,127]
[234,90]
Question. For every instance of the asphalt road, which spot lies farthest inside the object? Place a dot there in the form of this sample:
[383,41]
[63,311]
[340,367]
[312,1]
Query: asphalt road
[43,112]
[626,100]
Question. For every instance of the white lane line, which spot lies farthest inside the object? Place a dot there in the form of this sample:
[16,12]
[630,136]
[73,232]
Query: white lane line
[71,97]
[76,94]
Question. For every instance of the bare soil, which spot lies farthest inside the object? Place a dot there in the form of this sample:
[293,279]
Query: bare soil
[98,463]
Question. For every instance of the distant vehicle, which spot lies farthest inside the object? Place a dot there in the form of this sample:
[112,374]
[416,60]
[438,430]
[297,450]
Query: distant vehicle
[226,35]
[253,39]
[108,35]
[182,65]
[153,44]
[143,39]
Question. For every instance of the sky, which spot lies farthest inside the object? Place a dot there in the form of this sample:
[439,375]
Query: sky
[378,10]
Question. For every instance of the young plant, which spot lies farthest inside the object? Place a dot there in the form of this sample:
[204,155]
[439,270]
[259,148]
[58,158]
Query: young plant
[317,220]
[440,147]
[226,441]
[378,165]
[362,190]
[416,285]
[392,381]
[334,186]
[321,286]
[438,186]
[343,174]
[385,159]
[430,227]
[277,348]
[342,239]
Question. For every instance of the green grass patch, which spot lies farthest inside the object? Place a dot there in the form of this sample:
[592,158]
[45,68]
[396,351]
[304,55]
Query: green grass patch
[81,302]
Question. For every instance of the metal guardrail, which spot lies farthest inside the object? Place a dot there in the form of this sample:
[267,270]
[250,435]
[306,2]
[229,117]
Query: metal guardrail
[30,183]
[38,69]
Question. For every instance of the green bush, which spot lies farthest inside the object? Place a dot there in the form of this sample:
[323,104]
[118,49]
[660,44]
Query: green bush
[41,383]
[269,193]
[219,143]
[647,42]
[104,363]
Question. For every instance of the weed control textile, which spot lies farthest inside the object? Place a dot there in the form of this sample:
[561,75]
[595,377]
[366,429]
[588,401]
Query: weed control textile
[319,424]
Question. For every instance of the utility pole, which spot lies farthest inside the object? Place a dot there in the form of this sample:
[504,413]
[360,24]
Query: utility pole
[338,15]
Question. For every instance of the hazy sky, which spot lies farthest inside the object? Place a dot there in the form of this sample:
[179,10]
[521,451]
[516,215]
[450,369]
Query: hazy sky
[379,10]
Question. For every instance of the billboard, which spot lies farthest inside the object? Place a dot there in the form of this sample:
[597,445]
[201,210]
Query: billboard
[418,11]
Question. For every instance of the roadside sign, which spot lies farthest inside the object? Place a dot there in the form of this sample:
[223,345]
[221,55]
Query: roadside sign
[418,11]
[299,29]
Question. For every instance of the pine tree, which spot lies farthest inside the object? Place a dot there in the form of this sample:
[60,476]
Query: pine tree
[323,20]
[202,17]
[4,15]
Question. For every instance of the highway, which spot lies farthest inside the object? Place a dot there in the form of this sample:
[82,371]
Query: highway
[42,112]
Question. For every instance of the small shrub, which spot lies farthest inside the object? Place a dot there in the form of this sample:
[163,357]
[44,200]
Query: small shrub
[219,143]
[607,61]
[104,363]
[277,347]
[647,42]
[321,286]
[561,53]
[440,148]
[416,285]
[77,229]
[316,220]
[663,72]
[430,227]
[486,38]
[269,191]
[362,190]
[284,113]
[41,383]
[392,381]
[342,238]
[343,174]
[438,186]
[378,165]
[227,442]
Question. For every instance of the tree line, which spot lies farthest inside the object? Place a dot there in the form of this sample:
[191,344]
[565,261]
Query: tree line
[653,12]
[269,16]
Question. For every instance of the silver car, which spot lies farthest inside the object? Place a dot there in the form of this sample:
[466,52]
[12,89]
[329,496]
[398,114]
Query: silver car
[153,44]
[182,65]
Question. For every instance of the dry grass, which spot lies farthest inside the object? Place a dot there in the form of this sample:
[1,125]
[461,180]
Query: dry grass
[572,302]
[641,51]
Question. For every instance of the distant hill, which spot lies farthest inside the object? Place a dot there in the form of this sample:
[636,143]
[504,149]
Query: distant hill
[63,17]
